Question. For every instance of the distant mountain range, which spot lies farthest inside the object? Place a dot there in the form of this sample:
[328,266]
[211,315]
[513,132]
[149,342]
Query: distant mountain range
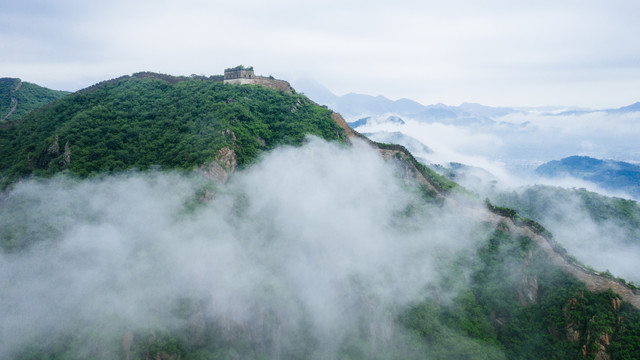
[609,174]
[361,106]
[622,110]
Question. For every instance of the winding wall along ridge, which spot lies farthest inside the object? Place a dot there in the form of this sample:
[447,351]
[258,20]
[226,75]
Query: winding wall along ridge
[593,281]
[14,100]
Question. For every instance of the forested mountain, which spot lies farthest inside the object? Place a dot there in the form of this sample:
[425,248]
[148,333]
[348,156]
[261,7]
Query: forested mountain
[160,217]
[609,174]
[18,98]
[154,120]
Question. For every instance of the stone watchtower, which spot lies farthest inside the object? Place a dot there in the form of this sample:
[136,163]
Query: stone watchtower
[239,72]
[241,75]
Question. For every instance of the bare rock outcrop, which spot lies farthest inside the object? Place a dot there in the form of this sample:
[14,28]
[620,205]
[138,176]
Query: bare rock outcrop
[66,155]
[222,165]
[54,149]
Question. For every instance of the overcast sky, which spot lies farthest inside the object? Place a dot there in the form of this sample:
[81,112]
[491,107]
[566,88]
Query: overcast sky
[495,52]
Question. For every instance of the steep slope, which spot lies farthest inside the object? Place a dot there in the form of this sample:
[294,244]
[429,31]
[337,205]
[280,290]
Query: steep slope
[18,98]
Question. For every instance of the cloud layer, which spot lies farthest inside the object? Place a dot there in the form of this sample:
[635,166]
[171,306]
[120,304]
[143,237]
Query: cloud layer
[497,54]
[317,235]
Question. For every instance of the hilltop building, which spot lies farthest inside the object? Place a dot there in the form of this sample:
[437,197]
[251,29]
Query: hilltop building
[241,75]
[239,72]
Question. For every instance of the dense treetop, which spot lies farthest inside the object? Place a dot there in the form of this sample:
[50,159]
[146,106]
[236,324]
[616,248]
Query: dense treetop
[147,120]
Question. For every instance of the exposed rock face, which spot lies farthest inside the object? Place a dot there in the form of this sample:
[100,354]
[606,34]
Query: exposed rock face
[66,156]
[602,342]
[615,303]
[294,108]
[214,171]
[227,158]
[230,134]
[596,346]
[527,290]
[267,82]
[573,335]
[54,149]
[222,166]
[347,129]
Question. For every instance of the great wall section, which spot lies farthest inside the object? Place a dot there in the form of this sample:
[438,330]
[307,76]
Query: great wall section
[14,101]
[593,281]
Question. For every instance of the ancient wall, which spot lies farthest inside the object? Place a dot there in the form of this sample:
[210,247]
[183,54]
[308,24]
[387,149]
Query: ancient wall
[230,74]
[262,81]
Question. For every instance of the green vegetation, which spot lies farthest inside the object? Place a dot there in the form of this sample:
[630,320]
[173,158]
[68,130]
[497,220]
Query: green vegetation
[241,67]
[441,183]
[541,202]
[29,97]
[560,321]
[519,220]
[145,121]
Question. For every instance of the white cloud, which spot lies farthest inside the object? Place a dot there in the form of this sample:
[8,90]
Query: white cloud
[498,53]
[305,233]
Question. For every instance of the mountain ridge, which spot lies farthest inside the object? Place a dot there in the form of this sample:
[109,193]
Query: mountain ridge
[353,105]
[18,98]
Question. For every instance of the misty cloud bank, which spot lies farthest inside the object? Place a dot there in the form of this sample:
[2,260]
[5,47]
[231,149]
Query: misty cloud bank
[604,245]
[317,237]
[501,152]
[521,140]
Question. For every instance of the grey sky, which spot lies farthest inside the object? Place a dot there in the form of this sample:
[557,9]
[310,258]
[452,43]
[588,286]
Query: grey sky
[499,52]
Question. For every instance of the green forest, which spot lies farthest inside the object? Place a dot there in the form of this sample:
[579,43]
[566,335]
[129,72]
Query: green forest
[144,121]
